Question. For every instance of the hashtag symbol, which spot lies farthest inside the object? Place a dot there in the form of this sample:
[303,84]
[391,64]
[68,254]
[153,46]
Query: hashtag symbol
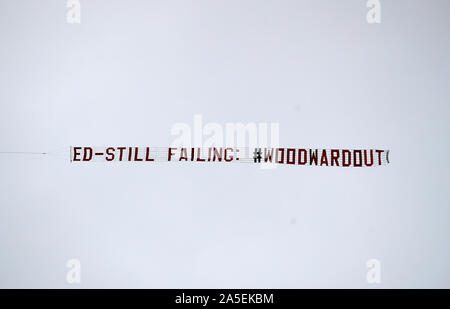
[257,155]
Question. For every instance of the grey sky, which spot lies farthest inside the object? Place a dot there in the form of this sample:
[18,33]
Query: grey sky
[132,69]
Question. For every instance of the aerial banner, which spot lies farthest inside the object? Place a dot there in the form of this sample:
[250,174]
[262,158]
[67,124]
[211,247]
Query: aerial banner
[287,156]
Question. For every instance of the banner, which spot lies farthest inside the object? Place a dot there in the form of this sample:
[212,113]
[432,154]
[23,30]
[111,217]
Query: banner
[288,156]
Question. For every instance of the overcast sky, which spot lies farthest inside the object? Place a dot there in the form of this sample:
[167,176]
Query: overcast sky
[131,70]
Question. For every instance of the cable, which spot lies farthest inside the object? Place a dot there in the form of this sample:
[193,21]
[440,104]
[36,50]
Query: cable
[22,152]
